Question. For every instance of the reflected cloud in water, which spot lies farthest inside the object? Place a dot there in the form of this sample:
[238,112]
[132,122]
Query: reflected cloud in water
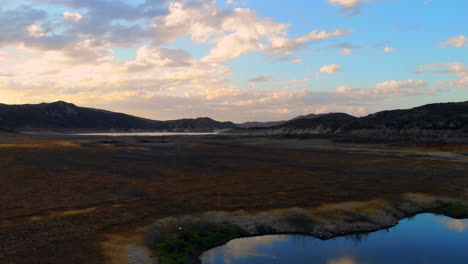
[249,247]
[344,260]
[416,240]
[456,224]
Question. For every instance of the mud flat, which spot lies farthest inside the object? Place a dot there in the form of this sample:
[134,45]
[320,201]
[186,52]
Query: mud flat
[80,199]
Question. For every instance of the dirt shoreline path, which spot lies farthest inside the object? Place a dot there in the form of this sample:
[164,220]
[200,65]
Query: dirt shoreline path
[61,195]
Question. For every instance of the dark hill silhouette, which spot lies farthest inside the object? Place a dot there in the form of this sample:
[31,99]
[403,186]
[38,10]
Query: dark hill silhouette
[433,120]
[66,116]
[443,116]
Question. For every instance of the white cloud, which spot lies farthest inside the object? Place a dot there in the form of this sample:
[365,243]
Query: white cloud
[151,57]
[452,68]
[232,32]
[35,31]
[351,7]
[72,16]
[344,3]
[231,2]
[284,45]
[297,61]
[346,51]
[457,42]
[330,69]
[388,49]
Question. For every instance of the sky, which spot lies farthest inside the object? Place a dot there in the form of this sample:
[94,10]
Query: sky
[236,60]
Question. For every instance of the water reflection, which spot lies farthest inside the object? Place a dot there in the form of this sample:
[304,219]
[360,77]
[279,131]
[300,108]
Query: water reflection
[343,260]
[456,224]
[246,248]
[426,238]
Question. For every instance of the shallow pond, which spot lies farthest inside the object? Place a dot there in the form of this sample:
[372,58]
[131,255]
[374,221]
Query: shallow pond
[424,239]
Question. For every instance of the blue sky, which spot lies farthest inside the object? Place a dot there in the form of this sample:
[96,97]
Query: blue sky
[234,60]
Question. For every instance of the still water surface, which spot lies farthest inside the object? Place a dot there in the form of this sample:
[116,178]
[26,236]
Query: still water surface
[425,239]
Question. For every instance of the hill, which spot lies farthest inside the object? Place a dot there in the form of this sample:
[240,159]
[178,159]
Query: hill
[66,116]
[441,119]
[433,120]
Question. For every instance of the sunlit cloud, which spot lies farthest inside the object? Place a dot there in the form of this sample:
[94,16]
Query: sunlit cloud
[72,16]
[330,69]
[457,42]
[451,68]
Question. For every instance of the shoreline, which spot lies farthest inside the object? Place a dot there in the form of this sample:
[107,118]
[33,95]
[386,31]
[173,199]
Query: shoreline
[324,222]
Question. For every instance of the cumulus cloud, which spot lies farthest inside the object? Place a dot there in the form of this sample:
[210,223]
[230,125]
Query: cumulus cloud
[388,49]
[350,7]
[152,57]
[457,42]
[330,69]
[232,32]
[35,31]
[72,16]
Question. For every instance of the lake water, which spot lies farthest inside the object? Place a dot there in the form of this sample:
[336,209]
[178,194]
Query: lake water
[147,134]
[424,239]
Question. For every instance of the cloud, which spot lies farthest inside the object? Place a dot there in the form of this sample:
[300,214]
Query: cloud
[451,68]
[72,16]
[388,89]
[458,42]
[388,49]
[345,3]
[285,46]
[232,32]
[297,61]
[152,57]
[346,51]
[231,2]
[347,48]
[35,31]
[350,7]
[330,69]
[261,78]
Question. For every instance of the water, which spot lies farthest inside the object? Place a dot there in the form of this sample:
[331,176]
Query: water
[151,134]
[425,239]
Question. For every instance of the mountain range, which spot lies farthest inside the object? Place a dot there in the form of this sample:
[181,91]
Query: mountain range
[66,116]
[443,119]
[433,120]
